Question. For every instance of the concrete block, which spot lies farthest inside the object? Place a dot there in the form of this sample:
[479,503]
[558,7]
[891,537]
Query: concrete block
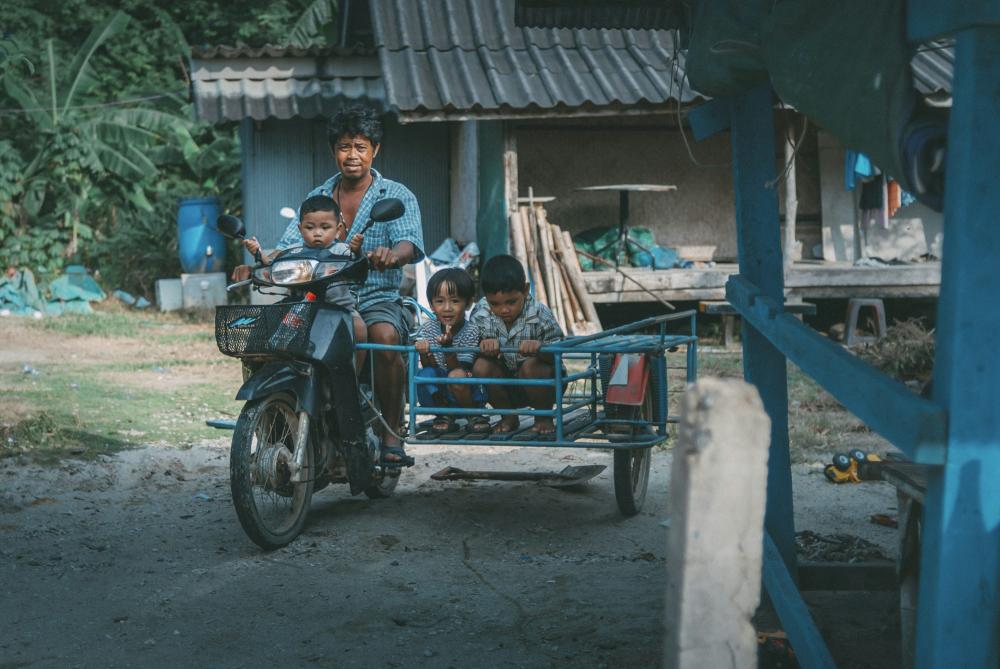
[715,542]
[169,295]
[204,291]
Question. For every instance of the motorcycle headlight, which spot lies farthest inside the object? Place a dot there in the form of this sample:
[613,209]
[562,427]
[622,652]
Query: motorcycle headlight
[263,274]
[291,272]
[327,268]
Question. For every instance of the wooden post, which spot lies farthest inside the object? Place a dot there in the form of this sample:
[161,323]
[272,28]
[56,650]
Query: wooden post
[715,544]
[792,252]
[517,239]
[958,618]
[758,237]
[510,167]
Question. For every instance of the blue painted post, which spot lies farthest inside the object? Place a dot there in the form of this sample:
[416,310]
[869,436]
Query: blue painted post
[758,238]
[957,618]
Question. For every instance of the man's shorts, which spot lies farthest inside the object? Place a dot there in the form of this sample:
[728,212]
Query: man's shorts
[391,312]
[426,391]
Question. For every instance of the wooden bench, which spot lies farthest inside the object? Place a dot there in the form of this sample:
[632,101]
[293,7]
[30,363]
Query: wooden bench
[729,314]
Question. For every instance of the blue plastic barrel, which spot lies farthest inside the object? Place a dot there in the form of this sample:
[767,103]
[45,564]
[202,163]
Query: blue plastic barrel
[201,246]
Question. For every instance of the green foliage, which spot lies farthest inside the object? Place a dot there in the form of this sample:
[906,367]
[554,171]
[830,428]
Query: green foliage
[98,142]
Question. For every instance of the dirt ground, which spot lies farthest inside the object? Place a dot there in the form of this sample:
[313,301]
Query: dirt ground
[136,559]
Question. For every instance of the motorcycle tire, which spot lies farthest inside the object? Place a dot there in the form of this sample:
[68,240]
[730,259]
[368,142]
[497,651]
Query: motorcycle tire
[271,509]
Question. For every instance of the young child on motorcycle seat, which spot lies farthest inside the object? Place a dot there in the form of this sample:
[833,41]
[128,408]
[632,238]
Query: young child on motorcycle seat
[509,317]
[323,227]
[451,292]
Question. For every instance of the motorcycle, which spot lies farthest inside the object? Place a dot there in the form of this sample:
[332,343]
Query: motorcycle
[307,422]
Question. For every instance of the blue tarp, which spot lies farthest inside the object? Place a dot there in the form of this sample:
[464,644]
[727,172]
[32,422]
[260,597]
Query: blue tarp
[71,293]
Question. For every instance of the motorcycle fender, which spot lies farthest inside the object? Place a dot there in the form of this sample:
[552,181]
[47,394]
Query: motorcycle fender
[279,377]
[332,340]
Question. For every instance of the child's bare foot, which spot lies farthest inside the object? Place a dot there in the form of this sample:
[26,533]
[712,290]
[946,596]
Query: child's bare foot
[543,425]
[507,424]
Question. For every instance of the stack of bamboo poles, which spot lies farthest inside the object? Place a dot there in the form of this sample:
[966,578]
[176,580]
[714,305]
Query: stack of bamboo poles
[554,269]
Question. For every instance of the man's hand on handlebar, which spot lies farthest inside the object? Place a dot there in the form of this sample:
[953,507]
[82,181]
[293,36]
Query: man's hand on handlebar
[383,258]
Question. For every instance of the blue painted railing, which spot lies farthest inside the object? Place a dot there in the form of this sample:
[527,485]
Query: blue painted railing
[579,417]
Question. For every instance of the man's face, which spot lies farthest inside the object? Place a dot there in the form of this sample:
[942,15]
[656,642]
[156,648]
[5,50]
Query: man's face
[507,305]
[319,228]
[354,155]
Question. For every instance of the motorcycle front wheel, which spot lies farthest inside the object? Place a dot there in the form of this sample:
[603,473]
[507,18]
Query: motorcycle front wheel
[271,508]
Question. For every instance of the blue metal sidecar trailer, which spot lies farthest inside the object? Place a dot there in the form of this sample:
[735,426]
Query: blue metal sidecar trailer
[611,391]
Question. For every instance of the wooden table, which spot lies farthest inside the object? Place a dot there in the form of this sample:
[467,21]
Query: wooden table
[623,191]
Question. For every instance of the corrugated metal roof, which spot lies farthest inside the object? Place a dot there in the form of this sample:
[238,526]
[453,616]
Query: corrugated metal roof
[577,14]
[274,51]
[232,83]
[455,58]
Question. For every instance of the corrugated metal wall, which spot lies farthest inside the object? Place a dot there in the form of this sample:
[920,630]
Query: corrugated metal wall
[284,160]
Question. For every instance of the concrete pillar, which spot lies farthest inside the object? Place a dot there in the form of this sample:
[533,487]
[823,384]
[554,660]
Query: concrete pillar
[464,181]
[715,544]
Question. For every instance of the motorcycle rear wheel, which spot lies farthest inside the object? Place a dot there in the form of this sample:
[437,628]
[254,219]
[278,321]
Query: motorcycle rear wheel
[271,508]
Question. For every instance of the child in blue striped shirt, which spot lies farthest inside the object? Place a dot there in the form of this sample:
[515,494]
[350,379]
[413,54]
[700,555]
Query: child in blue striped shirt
[451,292]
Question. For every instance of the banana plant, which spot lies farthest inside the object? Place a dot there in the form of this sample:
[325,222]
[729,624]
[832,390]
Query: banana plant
[80,144]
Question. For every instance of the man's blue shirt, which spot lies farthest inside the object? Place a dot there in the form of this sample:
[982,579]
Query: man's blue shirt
[381,286]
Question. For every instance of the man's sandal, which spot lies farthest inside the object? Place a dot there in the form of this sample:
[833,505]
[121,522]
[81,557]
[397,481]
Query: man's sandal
[403,460]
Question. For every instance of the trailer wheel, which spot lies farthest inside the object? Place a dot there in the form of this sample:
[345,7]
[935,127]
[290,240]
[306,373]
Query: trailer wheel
[632,468]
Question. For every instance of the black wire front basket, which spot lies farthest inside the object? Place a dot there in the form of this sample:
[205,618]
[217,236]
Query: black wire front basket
[260,330]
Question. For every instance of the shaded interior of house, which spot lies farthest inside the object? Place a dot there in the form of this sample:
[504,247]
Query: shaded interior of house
[479,113]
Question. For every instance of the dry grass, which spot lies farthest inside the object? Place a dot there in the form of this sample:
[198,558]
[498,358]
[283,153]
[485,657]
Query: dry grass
[906,352]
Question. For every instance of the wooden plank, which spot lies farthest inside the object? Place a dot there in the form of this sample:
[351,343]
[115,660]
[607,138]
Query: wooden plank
[792,611]
[958,608]
[817,276]
[914,425]
[758,240]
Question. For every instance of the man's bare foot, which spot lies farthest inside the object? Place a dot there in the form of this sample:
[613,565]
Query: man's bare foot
[543,425]
[507,424]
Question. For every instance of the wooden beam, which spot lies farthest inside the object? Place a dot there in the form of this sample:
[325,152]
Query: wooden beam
[795,618]
[914,425]
[958,607]
[758,240]
[708,118]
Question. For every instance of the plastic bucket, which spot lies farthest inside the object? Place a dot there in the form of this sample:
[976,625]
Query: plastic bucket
[201,246]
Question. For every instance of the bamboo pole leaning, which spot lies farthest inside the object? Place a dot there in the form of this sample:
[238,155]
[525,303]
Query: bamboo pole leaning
[551,259]
[576,278]
[533,267]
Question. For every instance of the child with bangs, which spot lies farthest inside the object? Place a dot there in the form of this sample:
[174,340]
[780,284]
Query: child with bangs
[451,293]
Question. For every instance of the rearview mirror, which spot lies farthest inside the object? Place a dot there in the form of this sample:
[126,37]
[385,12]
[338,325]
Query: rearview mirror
[230,226]
[388,209]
